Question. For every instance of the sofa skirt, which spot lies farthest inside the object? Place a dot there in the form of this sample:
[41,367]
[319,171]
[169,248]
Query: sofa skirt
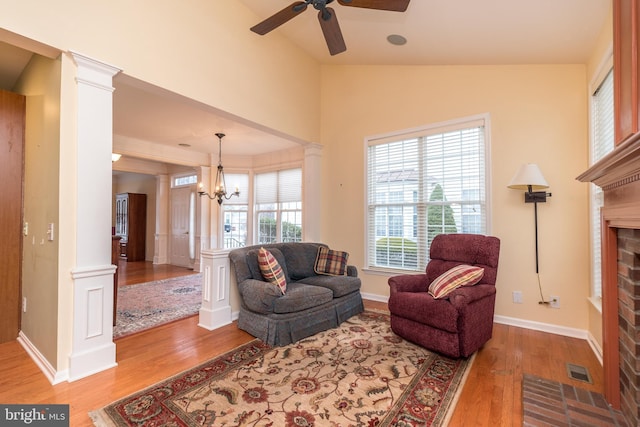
[282,329]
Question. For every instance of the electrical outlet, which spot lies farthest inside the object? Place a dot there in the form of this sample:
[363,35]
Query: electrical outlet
[555,301]
[517,297]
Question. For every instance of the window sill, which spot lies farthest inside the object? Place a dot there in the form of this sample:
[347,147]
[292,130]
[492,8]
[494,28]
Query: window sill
[388,273]
[596,303]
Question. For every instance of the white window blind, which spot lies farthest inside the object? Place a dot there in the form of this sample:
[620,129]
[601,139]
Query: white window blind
[279,206]
[602,143]
[421,183]
[241,182]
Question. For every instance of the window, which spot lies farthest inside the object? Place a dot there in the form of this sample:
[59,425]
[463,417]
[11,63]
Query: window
[421,183]
[602,142]
[184,180]
[235,213]
[279,206]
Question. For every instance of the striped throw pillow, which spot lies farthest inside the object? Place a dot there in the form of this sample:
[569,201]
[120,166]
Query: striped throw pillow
[330,262]
[461,275]
[271,270]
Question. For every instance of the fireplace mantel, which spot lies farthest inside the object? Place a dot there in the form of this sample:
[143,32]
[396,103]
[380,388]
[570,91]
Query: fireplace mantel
[618,168]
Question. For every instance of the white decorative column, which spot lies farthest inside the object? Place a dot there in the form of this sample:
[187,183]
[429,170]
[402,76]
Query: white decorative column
[163,188]
[312,190]
[203,222]
[92,347]
[216,306]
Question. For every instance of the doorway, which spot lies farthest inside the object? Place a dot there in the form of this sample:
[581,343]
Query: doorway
[182,227]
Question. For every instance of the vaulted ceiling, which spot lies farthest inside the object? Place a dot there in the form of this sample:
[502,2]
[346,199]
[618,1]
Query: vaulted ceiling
[438,32]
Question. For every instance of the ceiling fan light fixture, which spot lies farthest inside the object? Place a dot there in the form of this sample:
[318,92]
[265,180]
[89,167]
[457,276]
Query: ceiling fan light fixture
[328,21]
[396,39]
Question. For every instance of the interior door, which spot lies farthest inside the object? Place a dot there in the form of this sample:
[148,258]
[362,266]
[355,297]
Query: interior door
[12,122]
[180,226]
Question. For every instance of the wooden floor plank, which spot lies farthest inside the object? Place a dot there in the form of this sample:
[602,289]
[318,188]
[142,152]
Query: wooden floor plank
[491,396]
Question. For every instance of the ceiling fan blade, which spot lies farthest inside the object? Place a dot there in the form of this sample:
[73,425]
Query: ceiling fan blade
[331,31]
[392,5]
[279,18]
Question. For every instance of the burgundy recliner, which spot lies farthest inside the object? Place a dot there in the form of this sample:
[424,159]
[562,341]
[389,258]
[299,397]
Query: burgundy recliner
[460,323]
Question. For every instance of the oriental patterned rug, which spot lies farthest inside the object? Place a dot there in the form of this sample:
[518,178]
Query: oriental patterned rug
[147,305]
[358,374]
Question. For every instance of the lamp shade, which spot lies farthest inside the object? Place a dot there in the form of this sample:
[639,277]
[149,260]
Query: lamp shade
[528,175]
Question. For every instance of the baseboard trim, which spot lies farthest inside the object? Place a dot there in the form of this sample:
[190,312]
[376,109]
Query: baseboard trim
[529,324]
[375,297]
[542,327]
[54,377]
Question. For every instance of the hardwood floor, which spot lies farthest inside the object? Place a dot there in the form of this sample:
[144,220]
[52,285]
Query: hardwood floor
[130,273]
[491,395]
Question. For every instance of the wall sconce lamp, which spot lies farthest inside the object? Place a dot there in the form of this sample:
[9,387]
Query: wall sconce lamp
[220,192]
[530,179]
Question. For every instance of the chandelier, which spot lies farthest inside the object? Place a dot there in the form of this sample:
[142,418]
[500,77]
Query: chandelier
[220,193]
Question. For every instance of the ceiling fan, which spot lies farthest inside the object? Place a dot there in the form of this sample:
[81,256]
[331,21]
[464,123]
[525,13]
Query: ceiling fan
[327,17]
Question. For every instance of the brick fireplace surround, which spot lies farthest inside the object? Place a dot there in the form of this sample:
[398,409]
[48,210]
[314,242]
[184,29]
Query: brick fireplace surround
[618,174]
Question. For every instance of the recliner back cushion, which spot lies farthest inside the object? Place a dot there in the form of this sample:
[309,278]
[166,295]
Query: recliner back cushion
[450,250]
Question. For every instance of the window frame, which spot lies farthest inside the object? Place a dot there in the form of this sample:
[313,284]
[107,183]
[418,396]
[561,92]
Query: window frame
[433,129]
[605,70]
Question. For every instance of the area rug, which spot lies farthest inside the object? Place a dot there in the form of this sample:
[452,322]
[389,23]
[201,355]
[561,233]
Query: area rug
[551,403]
[358,374]
[146,305]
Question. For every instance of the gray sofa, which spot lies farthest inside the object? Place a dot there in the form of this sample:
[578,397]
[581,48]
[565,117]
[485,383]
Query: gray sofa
[312,303]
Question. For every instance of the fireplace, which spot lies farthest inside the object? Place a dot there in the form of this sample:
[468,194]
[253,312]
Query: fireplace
[618,174]
[629,322]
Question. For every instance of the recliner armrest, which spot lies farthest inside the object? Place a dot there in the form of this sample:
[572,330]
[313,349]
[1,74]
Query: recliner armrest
[409,283]
[466,295]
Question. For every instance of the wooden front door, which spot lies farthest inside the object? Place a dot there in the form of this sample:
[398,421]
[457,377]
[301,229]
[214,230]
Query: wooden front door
[12,122]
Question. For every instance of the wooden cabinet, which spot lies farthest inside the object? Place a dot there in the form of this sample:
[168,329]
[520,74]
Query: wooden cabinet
[626,51]
[131,225]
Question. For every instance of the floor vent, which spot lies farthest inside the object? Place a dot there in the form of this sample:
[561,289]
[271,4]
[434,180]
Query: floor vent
[579,373]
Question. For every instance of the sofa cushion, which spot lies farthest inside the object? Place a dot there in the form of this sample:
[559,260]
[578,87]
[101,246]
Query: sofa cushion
[252,262]
[339,285]
[460,275]
[300,259]
[300,297]
[331,262]
[271,270]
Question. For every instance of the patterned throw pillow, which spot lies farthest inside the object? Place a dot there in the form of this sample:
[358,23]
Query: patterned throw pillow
[461,275]
[271,270]
[330,262]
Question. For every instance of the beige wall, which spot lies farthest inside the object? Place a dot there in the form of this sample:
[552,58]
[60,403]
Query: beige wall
[204,52]
[40,82]
[538,114]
